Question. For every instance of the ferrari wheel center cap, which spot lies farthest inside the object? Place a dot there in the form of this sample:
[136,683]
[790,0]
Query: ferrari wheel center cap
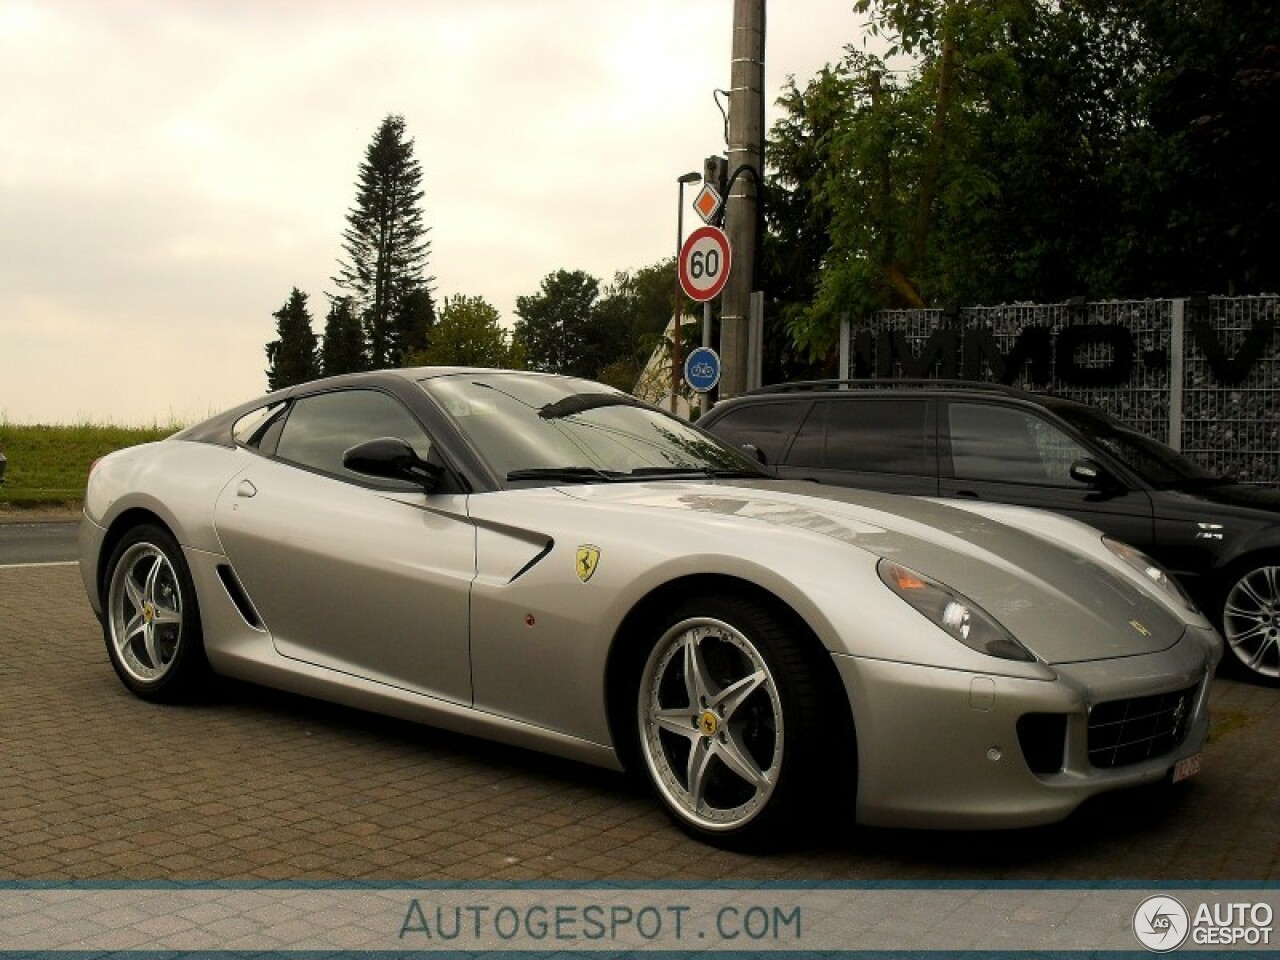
[708,723]
[148,612]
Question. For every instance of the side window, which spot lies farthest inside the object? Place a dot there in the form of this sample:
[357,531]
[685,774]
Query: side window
[811,440]
[766,425]
[253,429]
[867,435]
[989,442]
[320,429]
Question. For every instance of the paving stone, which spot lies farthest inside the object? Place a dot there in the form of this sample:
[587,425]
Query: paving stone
[255,784]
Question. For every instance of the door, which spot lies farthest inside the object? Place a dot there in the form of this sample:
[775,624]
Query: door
[1013,455]
[371,578]
[860,440]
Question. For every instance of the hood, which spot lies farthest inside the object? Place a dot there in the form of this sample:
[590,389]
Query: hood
[1032,585]
[1262,503]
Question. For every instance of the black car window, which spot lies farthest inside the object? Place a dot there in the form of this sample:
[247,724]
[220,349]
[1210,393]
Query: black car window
[321,428]
[767,426]
[867,435]
[253,427]
[990,442]
[1153,461]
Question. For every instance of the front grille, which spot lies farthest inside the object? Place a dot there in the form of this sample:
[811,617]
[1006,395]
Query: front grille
[1124,732]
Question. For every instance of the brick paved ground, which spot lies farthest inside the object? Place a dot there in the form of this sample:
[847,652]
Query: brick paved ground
[253,784]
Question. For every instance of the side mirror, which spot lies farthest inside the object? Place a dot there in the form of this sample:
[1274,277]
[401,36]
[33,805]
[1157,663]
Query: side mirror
[1094,475]
[755,453]
[390,458]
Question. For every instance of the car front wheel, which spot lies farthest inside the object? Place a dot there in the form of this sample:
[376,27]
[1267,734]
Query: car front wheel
[729,719]
[1251,623]
[152,624]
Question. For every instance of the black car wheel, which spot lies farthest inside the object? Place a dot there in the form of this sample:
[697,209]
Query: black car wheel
[1251,622]
[730,719]
[152,622]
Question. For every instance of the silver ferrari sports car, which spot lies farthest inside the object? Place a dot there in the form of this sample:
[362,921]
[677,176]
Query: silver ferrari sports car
[549,562]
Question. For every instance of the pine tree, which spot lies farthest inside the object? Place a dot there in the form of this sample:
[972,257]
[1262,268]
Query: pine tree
[293,357]
[412,325]
[342,350]
[385,245]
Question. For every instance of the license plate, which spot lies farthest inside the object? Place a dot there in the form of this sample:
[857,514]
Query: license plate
[1187,767]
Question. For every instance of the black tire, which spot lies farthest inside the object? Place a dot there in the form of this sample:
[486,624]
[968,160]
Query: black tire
[151,621]
[733,719]
[1249,617]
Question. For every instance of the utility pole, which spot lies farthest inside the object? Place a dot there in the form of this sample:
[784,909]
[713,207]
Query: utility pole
[746,167]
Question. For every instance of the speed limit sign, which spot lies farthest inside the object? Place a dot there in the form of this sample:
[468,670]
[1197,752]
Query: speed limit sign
[704,263]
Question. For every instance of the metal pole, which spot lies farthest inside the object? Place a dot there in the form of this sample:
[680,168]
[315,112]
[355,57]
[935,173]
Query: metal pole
[679,302]
[746,150]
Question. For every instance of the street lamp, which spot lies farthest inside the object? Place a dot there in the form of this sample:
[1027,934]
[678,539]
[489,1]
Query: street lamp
[693,177]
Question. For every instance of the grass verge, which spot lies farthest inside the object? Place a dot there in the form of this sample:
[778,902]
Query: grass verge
[47,465]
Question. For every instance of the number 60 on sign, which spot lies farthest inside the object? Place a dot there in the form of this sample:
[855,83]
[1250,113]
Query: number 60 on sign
[704,263]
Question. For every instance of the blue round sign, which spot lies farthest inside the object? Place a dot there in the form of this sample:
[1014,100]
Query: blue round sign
[702,369]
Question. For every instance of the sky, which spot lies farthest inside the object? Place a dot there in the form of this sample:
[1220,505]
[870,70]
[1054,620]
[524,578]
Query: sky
[171,169]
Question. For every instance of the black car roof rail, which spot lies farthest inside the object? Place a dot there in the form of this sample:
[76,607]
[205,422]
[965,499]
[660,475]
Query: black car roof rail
[801,386]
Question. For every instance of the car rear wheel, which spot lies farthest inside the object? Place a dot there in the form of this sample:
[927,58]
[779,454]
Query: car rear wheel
[1251,622]
[729,720]
[152,623]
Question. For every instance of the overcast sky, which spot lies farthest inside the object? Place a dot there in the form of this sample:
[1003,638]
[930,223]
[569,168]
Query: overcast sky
[170,169]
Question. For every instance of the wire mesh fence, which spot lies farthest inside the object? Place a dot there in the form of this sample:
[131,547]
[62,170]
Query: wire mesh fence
[1201,374]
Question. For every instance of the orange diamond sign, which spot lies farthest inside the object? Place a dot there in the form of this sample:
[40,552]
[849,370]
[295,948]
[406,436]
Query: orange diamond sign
[707,203]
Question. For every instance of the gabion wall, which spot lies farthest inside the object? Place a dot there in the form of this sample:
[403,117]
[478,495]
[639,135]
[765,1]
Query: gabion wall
[1201,374]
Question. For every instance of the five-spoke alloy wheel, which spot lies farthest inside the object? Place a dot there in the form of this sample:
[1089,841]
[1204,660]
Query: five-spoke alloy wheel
[727,718]
[1251,623]
[152,626]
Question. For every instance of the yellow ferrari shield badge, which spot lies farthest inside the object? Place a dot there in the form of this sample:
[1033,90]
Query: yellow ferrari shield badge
[588,558]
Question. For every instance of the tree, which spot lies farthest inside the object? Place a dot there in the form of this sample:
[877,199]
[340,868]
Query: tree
[1036,150]
[384,272]
[292,357]
[556,324]
[342,350]
[468,334]
[411,324]
[629,321]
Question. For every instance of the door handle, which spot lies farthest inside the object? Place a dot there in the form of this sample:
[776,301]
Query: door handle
[246,489]
[967,495]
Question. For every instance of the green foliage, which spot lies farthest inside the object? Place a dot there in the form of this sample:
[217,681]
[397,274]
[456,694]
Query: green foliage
[556,325]
[571,326]
[294,356]
[1036,150]
[342,350]
[411,324]
[384,272]
[49,464]
[469,334]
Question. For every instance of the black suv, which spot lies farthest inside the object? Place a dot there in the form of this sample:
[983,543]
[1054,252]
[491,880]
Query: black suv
[986,442]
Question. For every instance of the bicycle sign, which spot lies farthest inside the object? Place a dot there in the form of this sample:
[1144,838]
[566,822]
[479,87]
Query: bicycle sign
[702,370]
[704,263]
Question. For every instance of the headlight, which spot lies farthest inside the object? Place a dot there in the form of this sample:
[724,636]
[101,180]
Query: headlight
[954,613]
[1155,573]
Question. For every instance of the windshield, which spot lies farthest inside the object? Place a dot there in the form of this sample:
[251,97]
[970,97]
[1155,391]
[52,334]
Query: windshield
[1159,465]
[561,430]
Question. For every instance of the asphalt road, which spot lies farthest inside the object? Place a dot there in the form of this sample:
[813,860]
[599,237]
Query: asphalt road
[37,542]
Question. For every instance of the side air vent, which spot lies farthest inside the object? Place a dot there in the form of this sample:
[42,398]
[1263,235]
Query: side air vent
[241,599]
[1043,738]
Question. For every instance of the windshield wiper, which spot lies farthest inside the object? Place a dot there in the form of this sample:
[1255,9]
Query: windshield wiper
[582,402]
[695,472]
[563,474]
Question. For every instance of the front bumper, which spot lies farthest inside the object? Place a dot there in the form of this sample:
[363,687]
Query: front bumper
[941,748]
[91,538]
